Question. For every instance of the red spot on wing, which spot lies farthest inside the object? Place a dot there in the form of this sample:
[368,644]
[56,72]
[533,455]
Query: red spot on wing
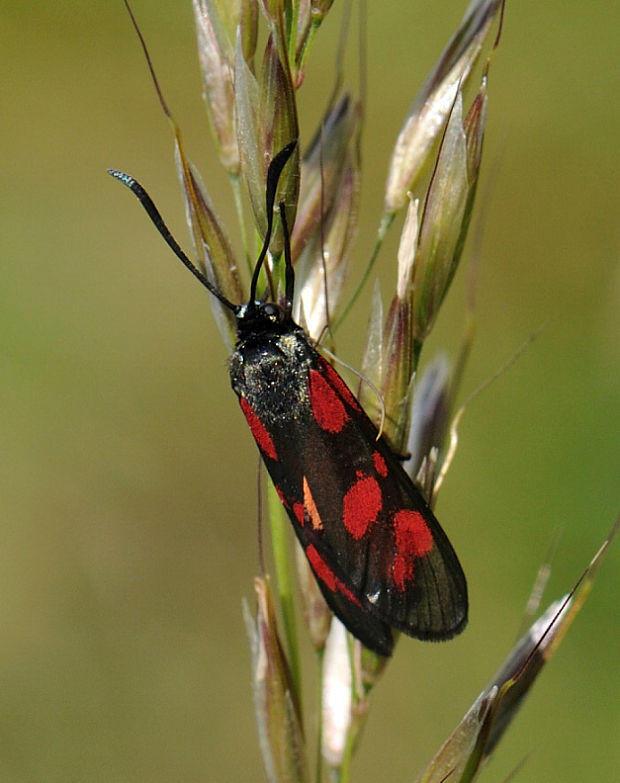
[261,436]
[413,539]
[327,407]
[361,505]
[298,510]
[340,386]
[380,465]
[327,576]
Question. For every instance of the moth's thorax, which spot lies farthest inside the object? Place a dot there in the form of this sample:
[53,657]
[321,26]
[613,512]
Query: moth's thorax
[270,364]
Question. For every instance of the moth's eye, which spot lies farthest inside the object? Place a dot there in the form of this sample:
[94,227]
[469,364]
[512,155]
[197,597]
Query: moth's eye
[272,311]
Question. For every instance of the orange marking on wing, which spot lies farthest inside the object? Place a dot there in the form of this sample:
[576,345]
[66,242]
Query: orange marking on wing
[310,507]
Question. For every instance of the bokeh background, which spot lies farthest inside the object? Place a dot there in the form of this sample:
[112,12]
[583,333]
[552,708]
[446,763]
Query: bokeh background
[127,477]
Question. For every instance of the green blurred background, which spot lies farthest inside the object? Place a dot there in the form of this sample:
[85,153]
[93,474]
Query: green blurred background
[127,481]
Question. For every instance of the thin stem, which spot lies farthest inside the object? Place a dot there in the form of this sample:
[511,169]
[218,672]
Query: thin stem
[319,733]
[235,184]
[386,222]
[417,351]
[279,541]
[291,22]
[306,45]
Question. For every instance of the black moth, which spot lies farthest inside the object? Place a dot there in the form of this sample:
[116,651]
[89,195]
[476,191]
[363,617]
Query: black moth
[378,553]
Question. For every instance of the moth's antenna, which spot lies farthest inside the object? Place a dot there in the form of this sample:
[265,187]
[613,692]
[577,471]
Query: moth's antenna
[289,272]
[152,211]
[273,177]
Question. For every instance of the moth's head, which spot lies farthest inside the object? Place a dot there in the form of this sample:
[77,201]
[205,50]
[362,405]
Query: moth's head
[262,318]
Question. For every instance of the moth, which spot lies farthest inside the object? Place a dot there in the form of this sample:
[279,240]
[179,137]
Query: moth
[378,553]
